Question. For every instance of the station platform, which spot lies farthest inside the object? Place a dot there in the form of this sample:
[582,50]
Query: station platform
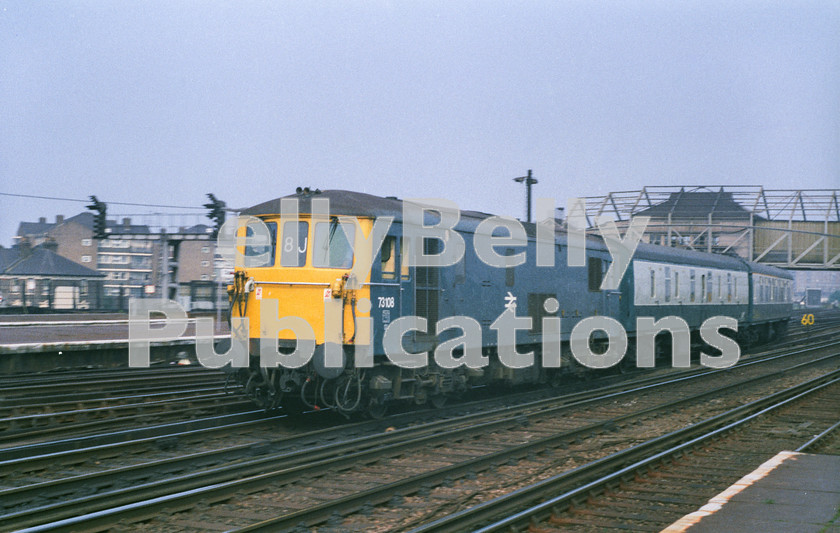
[792,492]
[47,343]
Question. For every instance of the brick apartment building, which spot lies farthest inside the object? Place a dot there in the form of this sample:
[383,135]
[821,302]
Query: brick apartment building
[131,258]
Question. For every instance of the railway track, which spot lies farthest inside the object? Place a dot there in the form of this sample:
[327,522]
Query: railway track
[650,485]
[471,444]
[52,393]
[69,404]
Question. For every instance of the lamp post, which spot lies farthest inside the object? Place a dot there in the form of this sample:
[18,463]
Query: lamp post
[529,181]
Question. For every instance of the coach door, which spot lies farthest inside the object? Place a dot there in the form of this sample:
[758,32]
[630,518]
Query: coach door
[607,301]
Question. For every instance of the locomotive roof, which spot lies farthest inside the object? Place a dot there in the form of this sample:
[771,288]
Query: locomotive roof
[346,203]
[367,205]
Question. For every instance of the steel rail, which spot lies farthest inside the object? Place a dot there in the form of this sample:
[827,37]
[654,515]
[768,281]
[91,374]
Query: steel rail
[330,457]
[47,453]
[819,439]
[596,475]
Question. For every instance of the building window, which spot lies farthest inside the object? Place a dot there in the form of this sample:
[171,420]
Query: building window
[87,242]
[205,263]
[205,249]
[205,277]
[85,259]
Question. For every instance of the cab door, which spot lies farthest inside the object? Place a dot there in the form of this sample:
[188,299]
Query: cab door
[386,290]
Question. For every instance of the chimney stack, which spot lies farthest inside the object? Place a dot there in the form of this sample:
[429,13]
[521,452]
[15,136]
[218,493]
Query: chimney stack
[59,219]
[42,220]
[126,222]
[25,247]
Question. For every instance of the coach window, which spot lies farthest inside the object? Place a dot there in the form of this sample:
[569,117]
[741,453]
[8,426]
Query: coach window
[652,283]
[691,285]
[389,257]
[729,286]
[676,284]
[596,273]
[735,288]
[667,284]
[709,288]
[720,286]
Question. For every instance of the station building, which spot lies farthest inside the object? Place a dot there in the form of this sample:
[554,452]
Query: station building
[37,278]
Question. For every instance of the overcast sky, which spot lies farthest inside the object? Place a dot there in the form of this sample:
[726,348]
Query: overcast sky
[161,102]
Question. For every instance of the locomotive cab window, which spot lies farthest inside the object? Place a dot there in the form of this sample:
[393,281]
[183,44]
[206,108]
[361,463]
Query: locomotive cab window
[389,257]
[295,240]
[331,249]
[261,255]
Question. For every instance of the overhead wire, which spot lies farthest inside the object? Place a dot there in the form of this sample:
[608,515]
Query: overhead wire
[86,201]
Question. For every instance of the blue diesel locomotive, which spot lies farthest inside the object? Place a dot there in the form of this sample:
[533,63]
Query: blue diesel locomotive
[308,274]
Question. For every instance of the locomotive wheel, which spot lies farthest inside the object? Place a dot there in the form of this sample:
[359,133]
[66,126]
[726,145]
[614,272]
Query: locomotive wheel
[622,368]
[376,410]
[255,389]
[438,400]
